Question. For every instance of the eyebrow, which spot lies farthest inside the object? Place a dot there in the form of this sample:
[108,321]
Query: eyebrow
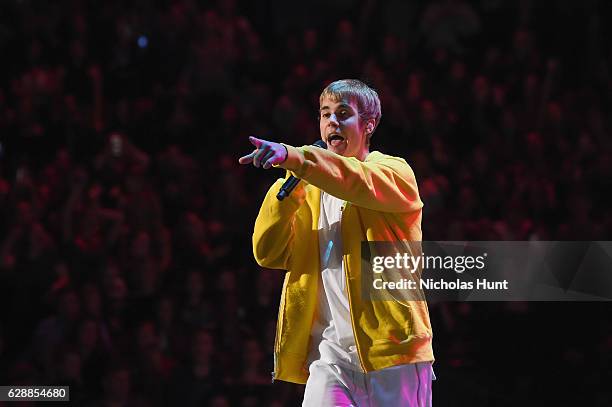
[341,105]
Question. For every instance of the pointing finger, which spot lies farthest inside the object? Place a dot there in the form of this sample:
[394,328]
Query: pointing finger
[255,141]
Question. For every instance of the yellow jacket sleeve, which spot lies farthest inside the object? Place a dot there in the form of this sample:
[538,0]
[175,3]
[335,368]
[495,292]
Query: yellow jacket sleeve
[382,183]
[274,232]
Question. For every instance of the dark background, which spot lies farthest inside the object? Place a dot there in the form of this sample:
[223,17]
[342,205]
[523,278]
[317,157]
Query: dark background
[125,237]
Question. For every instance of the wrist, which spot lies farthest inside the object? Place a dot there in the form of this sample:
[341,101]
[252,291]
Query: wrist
[286,153]
[294,160]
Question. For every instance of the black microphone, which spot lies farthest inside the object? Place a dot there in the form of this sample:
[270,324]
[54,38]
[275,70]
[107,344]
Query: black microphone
[292,181]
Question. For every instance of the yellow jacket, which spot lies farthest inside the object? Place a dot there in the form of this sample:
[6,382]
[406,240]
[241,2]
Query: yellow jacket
[381,204]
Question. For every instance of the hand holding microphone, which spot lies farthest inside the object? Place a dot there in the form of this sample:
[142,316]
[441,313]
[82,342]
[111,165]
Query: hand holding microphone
[269,153]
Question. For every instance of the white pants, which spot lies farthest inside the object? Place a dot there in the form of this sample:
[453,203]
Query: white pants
[405,385]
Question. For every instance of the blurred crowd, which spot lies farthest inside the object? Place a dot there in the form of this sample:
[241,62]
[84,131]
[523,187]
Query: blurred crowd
[125,232]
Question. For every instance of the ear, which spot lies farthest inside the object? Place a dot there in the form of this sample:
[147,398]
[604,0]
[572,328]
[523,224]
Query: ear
[370,127]
[368,131]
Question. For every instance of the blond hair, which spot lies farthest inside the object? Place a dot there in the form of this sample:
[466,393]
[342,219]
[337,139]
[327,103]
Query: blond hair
[366,98]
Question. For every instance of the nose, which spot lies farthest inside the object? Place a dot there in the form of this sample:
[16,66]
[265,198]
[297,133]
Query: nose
[333,119]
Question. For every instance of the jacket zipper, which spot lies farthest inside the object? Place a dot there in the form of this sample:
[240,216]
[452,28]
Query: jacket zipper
[348,292]
[275,354]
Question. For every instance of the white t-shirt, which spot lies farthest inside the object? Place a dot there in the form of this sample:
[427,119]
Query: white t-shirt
[332,337]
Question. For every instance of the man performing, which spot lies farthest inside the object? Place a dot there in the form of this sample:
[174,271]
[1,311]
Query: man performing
[348,351]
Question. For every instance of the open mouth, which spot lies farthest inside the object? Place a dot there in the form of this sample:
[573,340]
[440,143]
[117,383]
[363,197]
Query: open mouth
[335,139]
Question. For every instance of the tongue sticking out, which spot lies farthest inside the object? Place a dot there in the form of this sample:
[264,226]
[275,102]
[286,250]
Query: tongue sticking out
[335,141]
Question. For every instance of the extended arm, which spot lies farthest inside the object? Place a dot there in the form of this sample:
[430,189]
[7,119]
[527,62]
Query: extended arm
[382,183]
